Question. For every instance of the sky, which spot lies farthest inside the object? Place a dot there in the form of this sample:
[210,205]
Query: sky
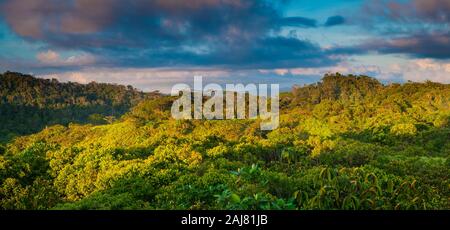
[154,44]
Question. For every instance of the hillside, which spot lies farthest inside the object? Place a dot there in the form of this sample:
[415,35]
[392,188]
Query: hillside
[347,142]
[29,104]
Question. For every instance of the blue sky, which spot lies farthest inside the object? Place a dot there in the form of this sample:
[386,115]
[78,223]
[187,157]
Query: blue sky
[153,44]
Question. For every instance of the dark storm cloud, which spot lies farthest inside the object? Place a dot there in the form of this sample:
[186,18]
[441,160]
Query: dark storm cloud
[270,52]
[298,21]
[433,45]
[416,28]
[429,11]
[103,23]
[334,21]
[237,33]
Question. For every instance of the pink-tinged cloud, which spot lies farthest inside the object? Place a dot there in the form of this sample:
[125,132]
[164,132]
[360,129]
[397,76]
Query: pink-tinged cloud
[425,69]
[51,58]
[436,10]
[88,16]
[35,18]
[417,70]
[163,79]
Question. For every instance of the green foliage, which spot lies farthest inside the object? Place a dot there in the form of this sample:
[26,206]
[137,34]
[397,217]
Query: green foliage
[30,104]
[362,188]
[105,201]
[347,142]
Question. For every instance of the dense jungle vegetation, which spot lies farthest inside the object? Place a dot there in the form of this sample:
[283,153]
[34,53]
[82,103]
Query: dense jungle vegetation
[28,104]
[347,142]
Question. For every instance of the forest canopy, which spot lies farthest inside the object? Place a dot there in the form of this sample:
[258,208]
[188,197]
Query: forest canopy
[346,142]
[29,104]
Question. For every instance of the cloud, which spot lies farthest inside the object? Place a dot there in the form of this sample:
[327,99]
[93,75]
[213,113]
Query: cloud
[232,35]
[411,11]
[106,23]
[163,79]
[51,58]
[150,79]
[433,45]
[417,70]
[38,18]
[334,21]
[420,70]
[405,18]
[298,22]
[415,28]
[427,45]
[163,33]
[343,67]
[48,57]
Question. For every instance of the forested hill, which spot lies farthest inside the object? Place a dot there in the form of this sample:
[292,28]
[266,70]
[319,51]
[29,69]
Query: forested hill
[351,88]
[29,104]
[347,142]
